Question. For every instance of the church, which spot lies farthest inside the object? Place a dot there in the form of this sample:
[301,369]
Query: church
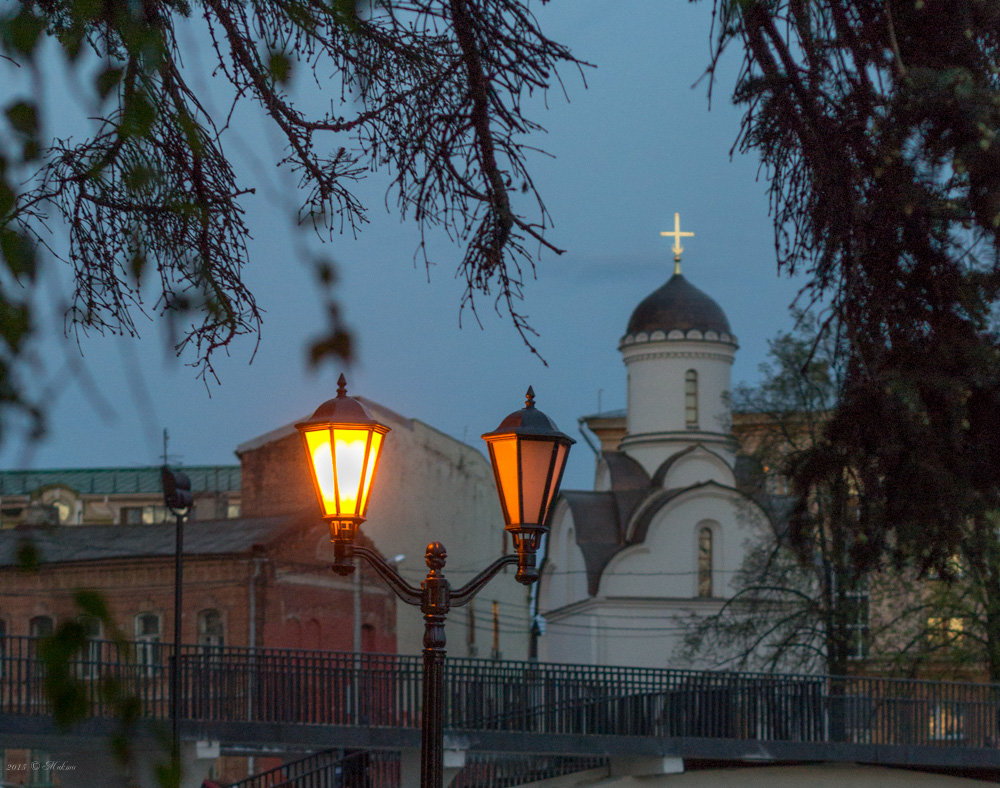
[666,527]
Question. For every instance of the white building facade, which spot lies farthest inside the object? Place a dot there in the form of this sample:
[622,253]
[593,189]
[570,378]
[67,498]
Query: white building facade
[665,529]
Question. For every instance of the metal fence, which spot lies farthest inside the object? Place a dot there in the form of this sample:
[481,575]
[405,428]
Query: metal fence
[376,690]
[381,769]
[331,769]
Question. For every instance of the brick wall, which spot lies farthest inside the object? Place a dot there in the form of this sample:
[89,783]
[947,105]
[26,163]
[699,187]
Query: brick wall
[275,478]
[299,602]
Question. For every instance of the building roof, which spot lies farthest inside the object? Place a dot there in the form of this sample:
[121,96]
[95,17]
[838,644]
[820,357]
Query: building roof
[119,481]
[678,305]
[57,544]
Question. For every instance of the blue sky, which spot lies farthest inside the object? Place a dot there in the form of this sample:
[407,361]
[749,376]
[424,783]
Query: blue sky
[636,145]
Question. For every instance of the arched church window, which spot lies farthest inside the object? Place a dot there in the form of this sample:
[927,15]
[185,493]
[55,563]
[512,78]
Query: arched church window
[705,561]
[691,398]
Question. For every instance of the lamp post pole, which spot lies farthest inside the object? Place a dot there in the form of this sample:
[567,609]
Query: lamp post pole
[178,498]
[528,454]
[435,598]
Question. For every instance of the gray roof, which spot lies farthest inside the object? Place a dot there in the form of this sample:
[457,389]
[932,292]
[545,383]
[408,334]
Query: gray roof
[677,305]
[99,542]
[601,517]
[119,481]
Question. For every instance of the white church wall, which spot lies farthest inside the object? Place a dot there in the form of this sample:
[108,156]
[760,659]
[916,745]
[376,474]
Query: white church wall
[698,466]
[631,632]
[564,576]
[571,638]
[656,393]
[665,564]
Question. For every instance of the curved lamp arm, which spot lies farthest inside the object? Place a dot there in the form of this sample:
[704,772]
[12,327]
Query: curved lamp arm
[465,594]
[402,589]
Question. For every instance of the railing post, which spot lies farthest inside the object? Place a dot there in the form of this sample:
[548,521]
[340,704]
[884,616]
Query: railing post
[838,710]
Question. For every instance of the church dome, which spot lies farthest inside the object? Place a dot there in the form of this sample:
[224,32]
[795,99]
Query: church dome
[679,306]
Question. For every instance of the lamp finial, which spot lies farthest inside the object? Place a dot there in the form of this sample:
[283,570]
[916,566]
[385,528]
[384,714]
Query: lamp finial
[341,386]
[529,398]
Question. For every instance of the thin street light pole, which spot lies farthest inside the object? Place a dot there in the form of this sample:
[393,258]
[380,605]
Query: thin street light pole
[178,499]
[175,697]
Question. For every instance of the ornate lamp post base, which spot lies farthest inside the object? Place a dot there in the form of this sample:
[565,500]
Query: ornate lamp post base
[435,598]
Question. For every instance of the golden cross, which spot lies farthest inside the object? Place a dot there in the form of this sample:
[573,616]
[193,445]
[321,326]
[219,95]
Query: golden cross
[677,249]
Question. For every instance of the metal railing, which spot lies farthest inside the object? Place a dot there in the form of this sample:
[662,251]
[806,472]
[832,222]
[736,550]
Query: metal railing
[232,684]
[331,769]
[380,769]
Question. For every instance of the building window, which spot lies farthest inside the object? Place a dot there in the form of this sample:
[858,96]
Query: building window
[144,515]
[41,626]
[857,617]
[211,630]
[90,657]
[691,399]
[147,639]
[705,561]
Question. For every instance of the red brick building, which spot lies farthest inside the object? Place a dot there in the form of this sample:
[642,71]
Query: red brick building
[247,581]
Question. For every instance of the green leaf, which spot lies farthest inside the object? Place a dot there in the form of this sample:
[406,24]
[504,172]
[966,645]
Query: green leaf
[92,604]
[7,198]
[280,66]
[192,132]
[21,33]
[346,13]
[137,116]
[15,324]
[17,251]
[108,80]
[87,10]
[23,116]
[138,177]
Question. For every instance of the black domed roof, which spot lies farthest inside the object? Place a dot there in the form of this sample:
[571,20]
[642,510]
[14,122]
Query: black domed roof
[678,305]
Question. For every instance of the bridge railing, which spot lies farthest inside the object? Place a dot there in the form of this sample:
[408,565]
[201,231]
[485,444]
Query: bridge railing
[229,684]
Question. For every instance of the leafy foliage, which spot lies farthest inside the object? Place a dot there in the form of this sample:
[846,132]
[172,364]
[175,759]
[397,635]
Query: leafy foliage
[800,603]
[876,122]
[70,694]
[429,90]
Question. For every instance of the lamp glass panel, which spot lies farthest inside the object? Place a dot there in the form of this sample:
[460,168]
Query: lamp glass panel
[557,467]
[321,457]
[373,454]
[350,446]
[504,451]
[536,458]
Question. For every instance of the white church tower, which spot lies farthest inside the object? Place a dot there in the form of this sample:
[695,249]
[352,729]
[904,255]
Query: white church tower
[678,350]
[665,529]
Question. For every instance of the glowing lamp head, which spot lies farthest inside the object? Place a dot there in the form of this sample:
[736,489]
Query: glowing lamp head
[343,444]
[528,454]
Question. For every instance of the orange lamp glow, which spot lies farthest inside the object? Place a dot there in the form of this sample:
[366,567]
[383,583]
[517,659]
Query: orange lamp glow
[343,443]
[528,454]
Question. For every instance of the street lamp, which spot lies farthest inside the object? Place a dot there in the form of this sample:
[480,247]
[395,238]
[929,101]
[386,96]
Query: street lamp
[528,454]
[178,499]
